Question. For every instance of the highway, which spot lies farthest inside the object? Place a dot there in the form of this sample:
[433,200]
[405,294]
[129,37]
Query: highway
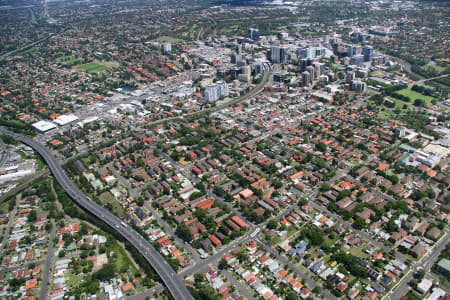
[171,280]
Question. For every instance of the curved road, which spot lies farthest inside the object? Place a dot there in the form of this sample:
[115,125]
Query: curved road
[172,281]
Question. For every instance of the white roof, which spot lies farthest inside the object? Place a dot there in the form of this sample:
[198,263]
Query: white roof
[44,126]
[88,120]
[65,119]
[437,294]
[424,285]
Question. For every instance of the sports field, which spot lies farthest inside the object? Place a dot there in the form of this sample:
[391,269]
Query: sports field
[414,95]
[96,67]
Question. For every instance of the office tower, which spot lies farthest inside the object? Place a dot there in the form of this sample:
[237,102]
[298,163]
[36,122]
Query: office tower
[400,131]
[282,35]
[316,66]
[236,58]
[277,55]
[253,34]
[305,78]
[310,70]
[322,68]
[167,47]
[354,50]
[357,60]
[214,91]
[257,68]
[246,69]
[306,52]
[350,76]
[368,53]
[302,64]
[358,86]
[279,77]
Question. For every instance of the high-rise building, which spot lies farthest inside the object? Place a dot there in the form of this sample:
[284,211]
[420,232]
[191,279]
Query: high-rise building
[316,66]
[368,53]
[354,50]
[246,69]
[400,131]
[310,70]
[235,58]
[167,47]
[311,52]
[253,34]
[257,68]
[358,86]
[303,63]
[213,92]
[277,55]
[349,76]
[279,77]
[305,78]
[282,35]
[357,60]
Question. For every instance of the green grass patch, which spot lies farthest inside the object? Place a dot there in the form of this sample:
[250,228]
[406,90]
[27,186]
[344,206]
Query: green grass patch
[108,200]
[330,242]
[413,296]
[73,281]
[96,67]
[22,154]
[29,51]
[122,261]
[358,251]
[168,39]
[399,103]
[40,162]
[302,268]
[414,95]
[69,61]
[386,115]
[4,207]
[438,69]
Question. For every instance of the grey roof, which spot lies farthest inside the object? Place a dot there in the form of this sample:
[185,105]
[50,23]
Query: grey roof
[444,264]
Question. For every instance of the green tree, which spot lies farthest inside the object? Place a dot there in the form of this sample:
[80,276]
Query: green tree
[183,232]
[359,223]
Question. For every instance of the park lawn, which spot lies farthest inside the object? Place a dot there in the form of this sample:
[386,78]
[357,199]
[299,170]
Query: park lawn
[107,197]
[414,95]
[326,258]
[329,242]
[22,154]
[358,252]
[39,162]
[168,39]
[29,51]
[74,280]
[123,261]
[302,267]
[386,115]
[399,103]
[435,67]
[4,207]
[69,60]
[96,67]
